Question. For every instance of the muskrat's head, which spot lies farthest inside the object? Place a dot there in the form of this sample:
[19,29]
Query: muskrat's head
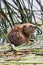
[30,29]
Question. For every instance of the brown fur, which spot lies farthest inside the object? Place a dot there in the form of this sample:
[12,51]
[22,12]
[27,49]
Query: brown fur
[20,34]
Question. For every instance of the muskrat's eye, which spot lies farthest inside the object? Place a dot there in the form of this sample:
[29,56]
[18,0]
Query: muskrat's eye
[30,26]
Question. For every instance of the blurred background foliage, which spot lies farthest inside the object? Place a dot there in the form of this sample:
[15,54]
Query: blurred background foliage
[17,13]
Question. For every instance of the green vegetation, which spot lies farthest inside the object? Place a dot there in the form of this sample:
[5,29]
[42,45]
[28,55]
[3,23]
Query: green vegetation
[14,15]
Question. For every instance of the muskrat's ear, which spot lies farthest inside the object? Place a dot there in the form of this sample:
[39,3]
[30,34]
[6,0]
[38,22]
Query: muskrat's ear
[24,28]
